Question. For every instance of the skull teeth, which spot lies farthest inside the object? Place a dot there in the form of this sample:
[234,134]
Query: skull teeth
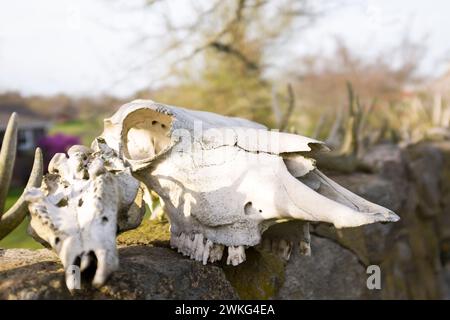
[207,250]
[284,249]
[198,248]
[280,247]
[236,255]
[216,253]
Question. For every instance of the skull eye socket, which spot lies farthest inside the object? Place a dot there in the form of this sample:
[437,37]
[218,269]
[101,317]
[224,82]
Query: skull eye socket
[146,134]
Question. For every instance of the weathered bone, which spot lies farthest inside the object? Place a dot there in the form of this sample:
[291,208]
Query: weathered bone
[84,201]
[226,180]
[11,219]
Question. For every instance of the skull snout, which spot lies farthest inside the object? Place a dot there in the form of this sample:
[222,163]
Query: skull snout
[90,268]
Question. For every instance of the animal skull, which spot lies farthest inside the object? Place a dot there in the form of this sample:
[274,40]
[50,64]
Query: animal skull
[83,202]
[225,180]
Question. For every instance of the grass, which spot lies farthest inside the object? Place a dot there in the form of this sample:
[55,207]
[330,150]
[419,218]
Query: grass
[19,237]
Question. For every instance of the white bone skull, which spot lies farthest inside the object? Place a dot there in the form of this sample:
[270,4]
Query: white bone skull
[83,202]
[225,180]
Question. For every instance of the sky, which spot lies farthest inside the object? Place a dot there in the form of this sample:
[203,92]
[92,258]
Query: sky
[92,47]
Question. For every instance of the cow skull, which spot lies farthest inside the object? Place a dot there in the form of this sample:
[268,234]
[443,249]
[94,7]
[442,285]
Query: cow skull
[83,202]
[225,180]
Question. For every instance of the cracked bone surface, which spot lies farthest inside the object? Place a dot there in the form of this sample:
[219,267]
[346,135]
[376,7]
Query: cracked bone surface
[84,200]
[225,180]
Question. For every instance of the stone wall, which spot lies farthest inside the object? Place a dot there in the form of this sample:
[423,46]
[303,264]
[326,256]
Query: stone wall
[145,273]
[414,253]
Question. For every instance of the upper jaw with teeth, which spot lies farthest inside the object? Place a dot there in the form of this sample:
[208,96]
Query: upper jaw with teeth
[197,247]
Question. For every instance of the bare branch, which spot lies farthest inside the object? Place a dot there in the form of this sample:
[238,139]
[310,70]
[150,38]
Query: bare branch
[290,109]
[276,108]
[282,119]
[227,48]
[320,124]
[334,136]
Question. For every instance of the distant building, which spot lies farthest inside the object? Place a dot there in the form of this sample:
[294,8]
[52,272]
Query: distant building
[32,128]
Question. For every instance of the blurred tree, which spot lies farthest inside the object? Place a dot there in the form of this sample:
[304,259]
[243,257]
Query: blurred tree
[388,77]
[226,53]
[228,48]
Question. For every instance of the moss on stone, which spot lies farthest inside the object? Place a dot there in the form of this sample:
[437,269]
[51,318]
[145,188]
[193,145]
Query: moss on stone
[150,232]
[259,277]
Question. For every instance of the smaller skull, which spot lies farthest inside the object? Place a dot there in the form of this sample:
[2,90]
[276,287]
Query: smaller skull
[84,200]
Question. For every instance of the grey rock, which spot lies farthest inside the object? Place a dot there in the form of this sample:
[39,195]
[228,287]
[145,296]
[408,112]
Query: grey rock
[384,157]
[331,272]
[374,188]
[426,165]
[145,273]
[446,273]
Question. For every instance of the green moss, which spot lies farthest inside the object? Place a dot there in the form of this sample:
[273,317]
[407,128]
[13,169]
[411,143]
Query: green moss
[150,232]
[259,277]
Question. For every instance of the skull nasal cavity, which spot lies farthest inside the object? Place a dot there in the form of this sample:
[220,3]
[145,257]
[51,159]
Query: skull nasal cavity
[146,134]
[250,209]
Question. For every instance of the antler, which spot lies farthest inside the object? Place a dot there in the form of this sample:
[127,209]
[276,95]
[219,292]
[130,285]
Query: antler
[282,118]
[15,215]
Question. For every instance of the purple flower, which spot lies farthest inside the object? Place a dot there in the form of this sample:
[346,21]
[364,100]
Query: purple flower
[57,143]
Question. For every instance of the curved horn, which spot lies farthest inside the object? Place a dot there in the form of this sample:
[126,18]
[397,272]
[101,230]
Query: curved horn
[7,159]
[15,215]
